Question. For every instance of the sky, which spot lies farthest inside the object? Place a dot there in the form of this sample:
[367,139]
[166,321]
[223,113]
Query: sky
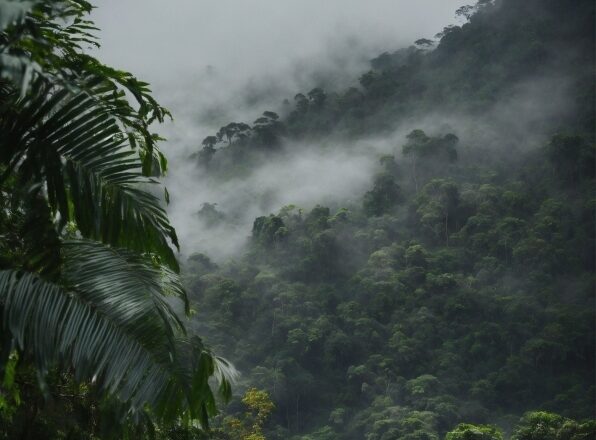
[209,59]
[212,62]
[202,55]
[163,40]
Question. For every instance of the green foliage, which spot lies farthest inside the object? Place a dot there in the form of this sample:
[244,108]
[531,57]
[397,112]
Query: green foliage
[89,171]
[572,157]
[10,396]
[465,431]
[543,425]
[417,321]
[383,197]
[259,407]
[86,263]
[420,146]
[268,230]
[437,208]
[459,287]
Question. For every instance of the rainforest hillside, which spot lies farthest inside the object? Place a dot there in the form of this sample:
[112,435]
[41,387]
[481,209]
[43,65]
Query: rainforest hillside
[408,256]
[460,286]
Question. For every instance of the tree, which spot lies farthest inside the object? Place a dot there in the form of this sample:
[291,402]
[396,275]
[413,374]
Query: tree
[424,43]
[209,142]
[437,207]
[208,151]
[542,425]
[268,129]
[468,11]
[268,230]
[423,150]
[301,103]
[466,431]
[383,197]
[233,131]
[259,407]
[90,262]
[317,97]
[465,11]
[572,157]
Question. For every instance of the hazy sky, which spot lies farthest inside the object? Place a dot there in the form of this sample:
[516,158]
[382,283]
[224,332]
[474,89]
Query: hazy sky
[209,59]
[215,61]
[164,40]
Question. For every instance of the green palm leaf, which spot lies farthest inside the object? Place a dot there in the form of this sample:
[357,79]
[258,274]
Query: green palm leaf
[111,324]
[105,275]
[78,159]
[92,175]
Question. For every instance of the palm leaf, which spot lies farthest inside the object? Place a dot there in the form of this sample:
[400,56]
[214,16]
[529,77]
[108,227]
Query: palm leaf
[113,331]
[92,175]
[73,138]
[104,275]
[46,39]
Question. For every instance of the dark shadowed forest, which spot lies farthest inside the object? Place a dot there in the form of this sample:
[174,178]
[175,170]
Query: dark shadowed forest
[432,278]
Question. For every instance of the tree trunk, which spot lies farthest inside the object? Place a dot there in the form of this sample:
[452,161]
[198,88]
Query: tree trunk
[447,227]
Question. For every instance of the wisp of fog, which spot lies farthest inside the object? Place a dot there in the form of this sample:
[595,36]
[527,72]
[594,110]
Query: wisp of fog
[216,62]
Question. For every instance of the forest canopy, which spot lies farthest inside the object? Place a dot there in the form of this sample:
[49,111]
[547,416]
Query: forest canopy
[452,298]
[455,294]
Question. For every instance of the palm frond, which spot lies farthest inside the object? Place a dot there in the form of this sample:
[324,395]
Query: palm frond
[46,41]
[93,177]
[92,332]
[103,276]
[71,142]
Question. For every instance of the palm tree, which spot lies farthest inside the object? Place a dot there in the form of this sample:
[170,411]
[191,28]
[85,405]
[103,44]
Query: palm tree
[86,259]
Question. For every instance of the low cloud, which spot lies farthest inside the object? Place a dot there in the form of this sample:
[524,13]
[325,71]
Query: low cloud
[216,62]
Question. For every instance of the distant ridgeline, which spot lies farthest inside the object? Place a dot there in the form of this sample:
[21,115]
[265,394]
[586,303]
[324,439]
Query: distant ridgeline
[539,49]
[460,287]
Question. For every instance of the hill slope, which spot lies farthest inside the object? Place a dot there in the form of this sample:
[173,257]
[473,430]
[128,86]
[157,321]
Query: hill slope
[460,286]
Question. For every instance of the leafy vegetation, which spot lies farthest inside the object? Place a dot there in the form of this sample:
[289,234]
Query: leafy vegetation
[457,293]
[86,259]
[453,299]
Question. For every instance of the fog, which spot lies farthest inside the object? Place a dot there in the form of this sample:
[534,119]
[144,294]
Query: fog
[216,62]
[213,62]
[251,39]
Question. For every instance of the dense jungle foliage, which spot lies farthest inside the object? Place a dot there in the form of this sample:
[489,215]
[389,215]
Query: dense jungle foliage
[454,299]
[460,287]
